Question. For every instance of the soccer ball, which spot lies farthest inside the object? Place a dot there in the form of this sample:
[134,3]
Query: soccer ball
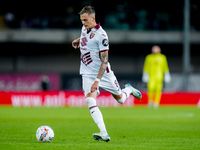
[44,134]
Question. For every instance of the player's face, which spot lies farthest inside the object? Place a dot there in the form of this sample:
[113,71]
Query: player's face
[87,20]
[156,50]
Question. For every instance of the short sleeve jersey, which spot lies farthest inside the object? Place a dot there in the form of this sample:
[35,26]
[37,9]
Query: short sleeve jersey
[91,44]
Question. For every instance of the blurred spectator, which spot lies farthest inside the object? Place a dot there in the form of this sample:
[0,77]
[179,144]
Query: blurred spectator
[142,20]
[136,15]
[2,23]
[45,84]
[10,20]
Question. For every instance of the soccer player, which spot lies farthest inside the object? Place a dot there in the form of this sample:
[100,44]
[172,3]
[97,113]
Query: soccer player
[155,70]
[96,70]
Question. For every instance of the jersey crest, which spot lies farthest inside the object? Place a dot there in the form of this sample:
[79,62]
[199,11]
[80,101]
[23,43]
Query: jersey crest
[92,35]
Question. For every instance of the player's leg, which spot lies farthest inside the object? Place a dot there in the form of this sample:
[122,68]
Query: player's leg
[121,95]
[94,110]
[158,94]
[150,93]
[97,117]
[126,92]
[110,83]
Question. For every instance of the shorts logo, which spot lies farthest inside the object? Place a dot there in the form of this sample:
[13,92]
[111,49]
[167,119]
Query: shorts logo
[86,58]
[92,35]
[105,42]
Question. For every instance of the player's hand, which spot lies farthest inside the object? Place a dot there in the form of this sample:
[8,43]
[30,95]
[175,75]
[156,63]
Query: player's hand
[94,86]
[145,77]
[75,43]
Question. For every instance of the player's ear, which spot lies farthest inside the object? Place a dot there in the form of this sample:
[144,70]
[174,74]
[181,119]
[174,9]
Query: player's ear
[93,17]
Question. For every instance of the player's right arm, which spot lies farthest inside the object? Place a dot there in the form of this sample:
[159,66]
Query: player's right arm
[75,43]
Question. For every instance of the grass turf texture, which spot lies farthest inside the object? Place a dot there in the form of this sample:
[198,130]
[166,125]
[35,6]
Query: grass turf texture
[175,128]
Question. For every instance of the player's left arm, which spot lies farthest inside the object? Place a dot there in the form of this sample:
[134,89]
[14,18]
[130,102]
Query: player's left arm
[167,76]
[103,43]
[104,65]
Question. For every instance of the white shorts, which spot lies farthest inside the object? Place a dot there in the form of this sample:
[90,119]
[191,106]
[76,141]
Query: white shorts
[108,82]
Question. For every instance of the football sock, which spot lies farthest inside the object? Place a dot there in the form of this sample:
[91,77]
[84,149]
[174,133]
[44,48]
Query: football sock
[125,94]
[127,91]
[156,105]
[122,100]
[96,114]
[150,103]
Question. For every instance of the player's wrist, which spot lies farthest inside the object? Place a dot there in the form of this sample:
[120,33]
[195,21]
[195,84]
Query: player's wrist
[97,79]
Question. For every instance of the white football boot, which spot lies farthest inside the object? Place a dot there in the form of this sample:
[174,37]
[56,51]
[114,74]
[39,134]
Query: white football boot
[136,93]
[101,137]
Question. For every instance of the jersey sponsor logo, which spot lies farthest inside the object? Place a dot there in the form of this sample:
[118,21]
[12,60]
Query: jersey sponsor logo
[86,58]
[92,35]
[105,42]
[84,41]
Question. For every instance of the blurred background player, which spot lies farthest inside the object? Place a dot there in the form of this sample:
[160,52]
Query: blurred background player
[155,70]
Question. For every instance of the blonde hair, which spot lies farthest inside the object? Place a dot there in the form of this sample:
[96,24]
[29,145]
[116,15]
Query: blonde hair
[87,9]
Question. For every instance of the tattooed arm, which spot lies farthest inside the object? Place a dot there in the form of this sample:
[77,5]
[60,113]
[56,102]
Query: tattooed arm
[104,64]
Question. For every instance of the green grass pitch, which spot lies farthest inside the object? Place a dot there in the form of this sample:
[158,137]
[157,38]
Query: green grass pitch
[139,128]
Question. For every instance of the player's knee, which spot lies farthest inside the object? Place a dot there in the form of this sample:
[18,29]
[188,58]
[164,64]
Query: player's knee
[92,94]
[91,101]
[89,94]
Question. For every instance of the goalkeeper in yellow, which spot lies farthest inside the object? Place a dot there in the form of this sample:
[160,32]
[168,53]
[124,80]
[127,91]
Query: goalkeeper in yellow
[155,70]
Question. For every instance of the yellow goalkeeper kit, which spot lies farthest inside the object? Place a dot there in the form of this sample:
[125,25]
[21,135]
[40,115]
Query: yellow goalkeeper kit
[154,71]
